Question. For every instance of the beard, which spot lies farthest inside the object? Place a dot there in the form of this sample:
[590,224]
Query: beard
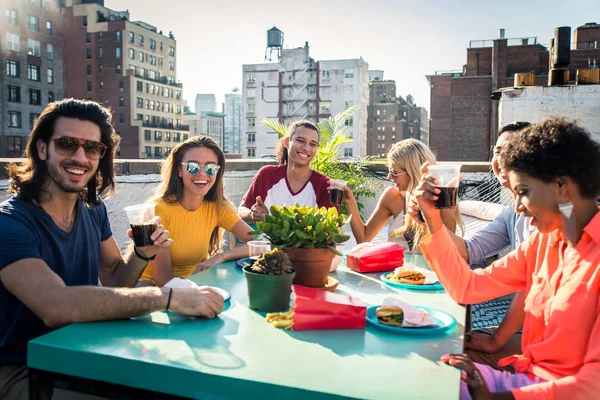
[56,174]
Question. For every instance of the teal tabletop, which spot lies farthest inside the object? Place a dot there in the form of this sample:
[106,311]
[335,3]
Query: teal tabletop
[239,355]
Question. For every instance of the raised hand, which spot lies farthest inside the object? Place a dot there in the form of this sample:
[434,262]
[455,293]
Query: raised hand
[258,210]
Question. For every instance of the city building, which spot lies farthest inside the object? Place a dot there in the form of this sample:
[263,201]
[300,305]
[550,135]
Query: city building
[205,102]
[392,118]
[375,75]
[298,87]
[32,70]
[464,120]
[206,123]
[232,132]
[129,66]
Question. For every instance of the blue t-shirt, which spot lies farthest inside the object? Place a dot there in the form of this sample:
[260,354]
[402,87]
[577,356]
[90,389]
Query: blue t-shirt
[27,231]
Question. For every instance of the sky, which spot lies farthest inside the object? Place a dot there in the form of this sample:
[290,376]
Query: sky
[405,39]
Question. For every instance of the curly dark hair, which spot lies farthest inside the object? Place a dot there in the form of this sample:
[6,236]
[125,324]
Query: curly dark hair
[281,151]
[514,127]
[26,179]
[552,148]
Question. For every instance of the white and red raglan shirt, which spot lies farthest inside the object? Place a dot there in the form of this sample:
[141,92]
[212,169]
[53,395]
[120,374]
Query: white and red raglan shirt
[272,186]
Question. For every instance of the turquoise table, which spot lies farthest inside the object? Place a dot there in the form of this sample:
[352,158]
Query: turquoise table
[238,355]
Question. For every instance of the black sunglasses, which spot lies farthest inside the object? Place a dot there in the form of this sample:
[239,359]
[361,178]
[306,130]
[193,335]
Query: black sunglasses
[67,146]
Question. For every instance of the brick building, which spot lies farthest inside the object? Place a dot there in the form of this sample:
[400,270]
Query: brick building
[130,67]
[464,119]
[32,68]
[391,119]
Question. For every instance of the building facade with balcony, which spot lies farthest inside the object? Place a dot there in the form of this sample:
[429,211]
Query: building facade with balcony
[130,67]
[298,87]
[463,118]
[206,123]
[232,130]
[205,102]
[32,69]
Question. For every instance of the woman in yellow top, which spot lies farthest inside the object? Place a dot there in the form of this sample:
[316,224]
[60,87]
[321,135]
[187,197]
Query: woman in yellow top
[194,210]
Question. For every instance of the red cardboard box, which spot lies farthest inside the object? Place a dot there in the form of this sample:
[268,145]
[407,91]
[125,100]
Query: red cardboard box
[378,258]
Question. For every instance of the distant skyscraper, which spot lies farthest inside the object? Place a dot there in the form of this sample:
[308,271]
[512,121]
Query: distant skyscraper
[232,135]
[206,102]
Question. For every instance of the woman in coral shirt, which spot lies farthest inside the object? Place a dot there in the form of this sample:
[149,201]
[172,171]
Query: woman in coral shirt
[554,170]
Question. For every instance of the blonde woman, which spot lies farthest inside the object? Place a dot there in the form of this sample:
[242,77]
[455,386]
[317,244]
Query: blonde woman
[404,162]
[193,208]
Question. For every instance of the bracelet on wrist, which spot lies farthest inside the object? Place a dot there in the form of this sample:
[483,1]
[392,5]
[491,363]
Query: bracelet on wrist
[169,299]
[141,256]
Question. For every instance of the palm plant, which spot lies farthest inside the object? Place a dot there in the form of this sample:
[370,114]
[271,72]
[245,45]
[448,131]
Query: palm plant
[332,135]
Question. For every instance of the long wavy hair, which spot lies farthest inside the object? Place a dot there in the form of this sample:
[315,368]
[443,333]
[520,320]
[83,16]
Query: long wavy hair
[28,179]
[409,155]
[171,188]
[281,151]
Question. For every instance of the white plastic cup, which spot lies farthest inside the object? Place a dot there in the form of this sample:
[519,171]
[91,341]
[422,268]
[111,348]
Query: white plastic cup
[256,248]
[448,176]
[141,219]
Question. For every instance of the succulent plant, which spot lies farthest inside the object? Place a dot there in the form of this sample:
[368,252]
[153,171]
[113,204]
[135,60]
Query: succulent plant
[304,227]
[272,262]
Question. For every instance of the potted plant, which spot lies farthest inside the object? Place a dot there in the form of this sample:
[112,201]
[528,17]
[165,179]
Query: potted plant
[308,235]
[269,281]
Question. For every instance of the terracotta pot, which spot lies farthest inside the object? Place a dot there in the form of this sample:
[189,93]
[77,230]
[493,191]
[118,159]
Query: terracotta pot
[269,293]
[312,265]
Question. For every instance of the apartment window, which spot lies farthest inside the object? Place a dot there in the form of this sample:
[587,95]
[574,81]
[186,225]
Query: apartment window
[347,152]
[121,118]
[251,93]
[152,60]
[139,86]
[171,65]
[141,56]
[147,134]
[158,152]
[12,68]
[167,136]
[50,97]
[251,152]
[250,107]
[34,23]
[14,119]
[152,44]
[139,117]
[117,36]
[131,37]
[177,93]
[141,41]
[118,52]
[121,87]
[101,85]
[157,135]
[312,89]
[11,17]
[132,54]
[252,137]
[121,101]
[118,69]
[12,42]
[148,151]
[161,46]
[100,35]
[88,53]
[348,89]
[35,97]
[378,112]
[49,52]
[349,74]
[350,121]
[88,37]
[89,86]
[15,143]
[14,94]
[49,28]
[32,119]
[33,47]
[185,137]
[33,72]
[325,74]
[100,52]
[251,122]
[167,151]
[325,107]
[139,102]
[176,136]
[160,61]
[85,20]
[172,51]
[100,68]
[250,77]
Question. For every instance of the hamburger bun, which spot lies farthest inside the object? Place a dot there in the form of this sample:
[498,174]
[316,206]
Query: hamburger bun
[415,279]
[390,315]
[402,272]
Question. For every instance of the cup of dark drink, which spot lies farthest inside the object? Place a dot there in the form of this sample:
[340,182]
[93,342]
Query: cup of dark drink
[448,177]
[141,219]
[336,190]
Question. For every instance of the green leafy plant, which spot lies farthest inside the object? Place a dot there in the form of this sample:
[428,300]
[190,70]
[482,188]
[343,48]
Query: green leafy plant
[304,227]
[333,134]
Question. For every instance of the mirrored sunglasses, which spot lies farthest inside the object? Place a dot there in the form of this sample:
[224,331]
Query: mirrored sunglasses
[193,168]
[67,146]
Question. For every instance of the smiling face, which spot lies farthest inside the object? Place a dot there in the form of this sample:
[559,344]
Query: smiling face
[70,173]
[302,146]
[198,184]
[536,199]
[401,179]
[502,177]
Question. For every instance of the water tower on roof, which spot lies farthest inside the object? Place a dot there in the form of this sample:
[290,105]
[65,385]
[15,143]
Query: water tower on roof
[274,44]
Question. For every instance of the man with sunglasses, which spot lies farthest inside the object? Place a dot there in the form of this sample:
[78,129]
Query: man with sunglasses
[57,242]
